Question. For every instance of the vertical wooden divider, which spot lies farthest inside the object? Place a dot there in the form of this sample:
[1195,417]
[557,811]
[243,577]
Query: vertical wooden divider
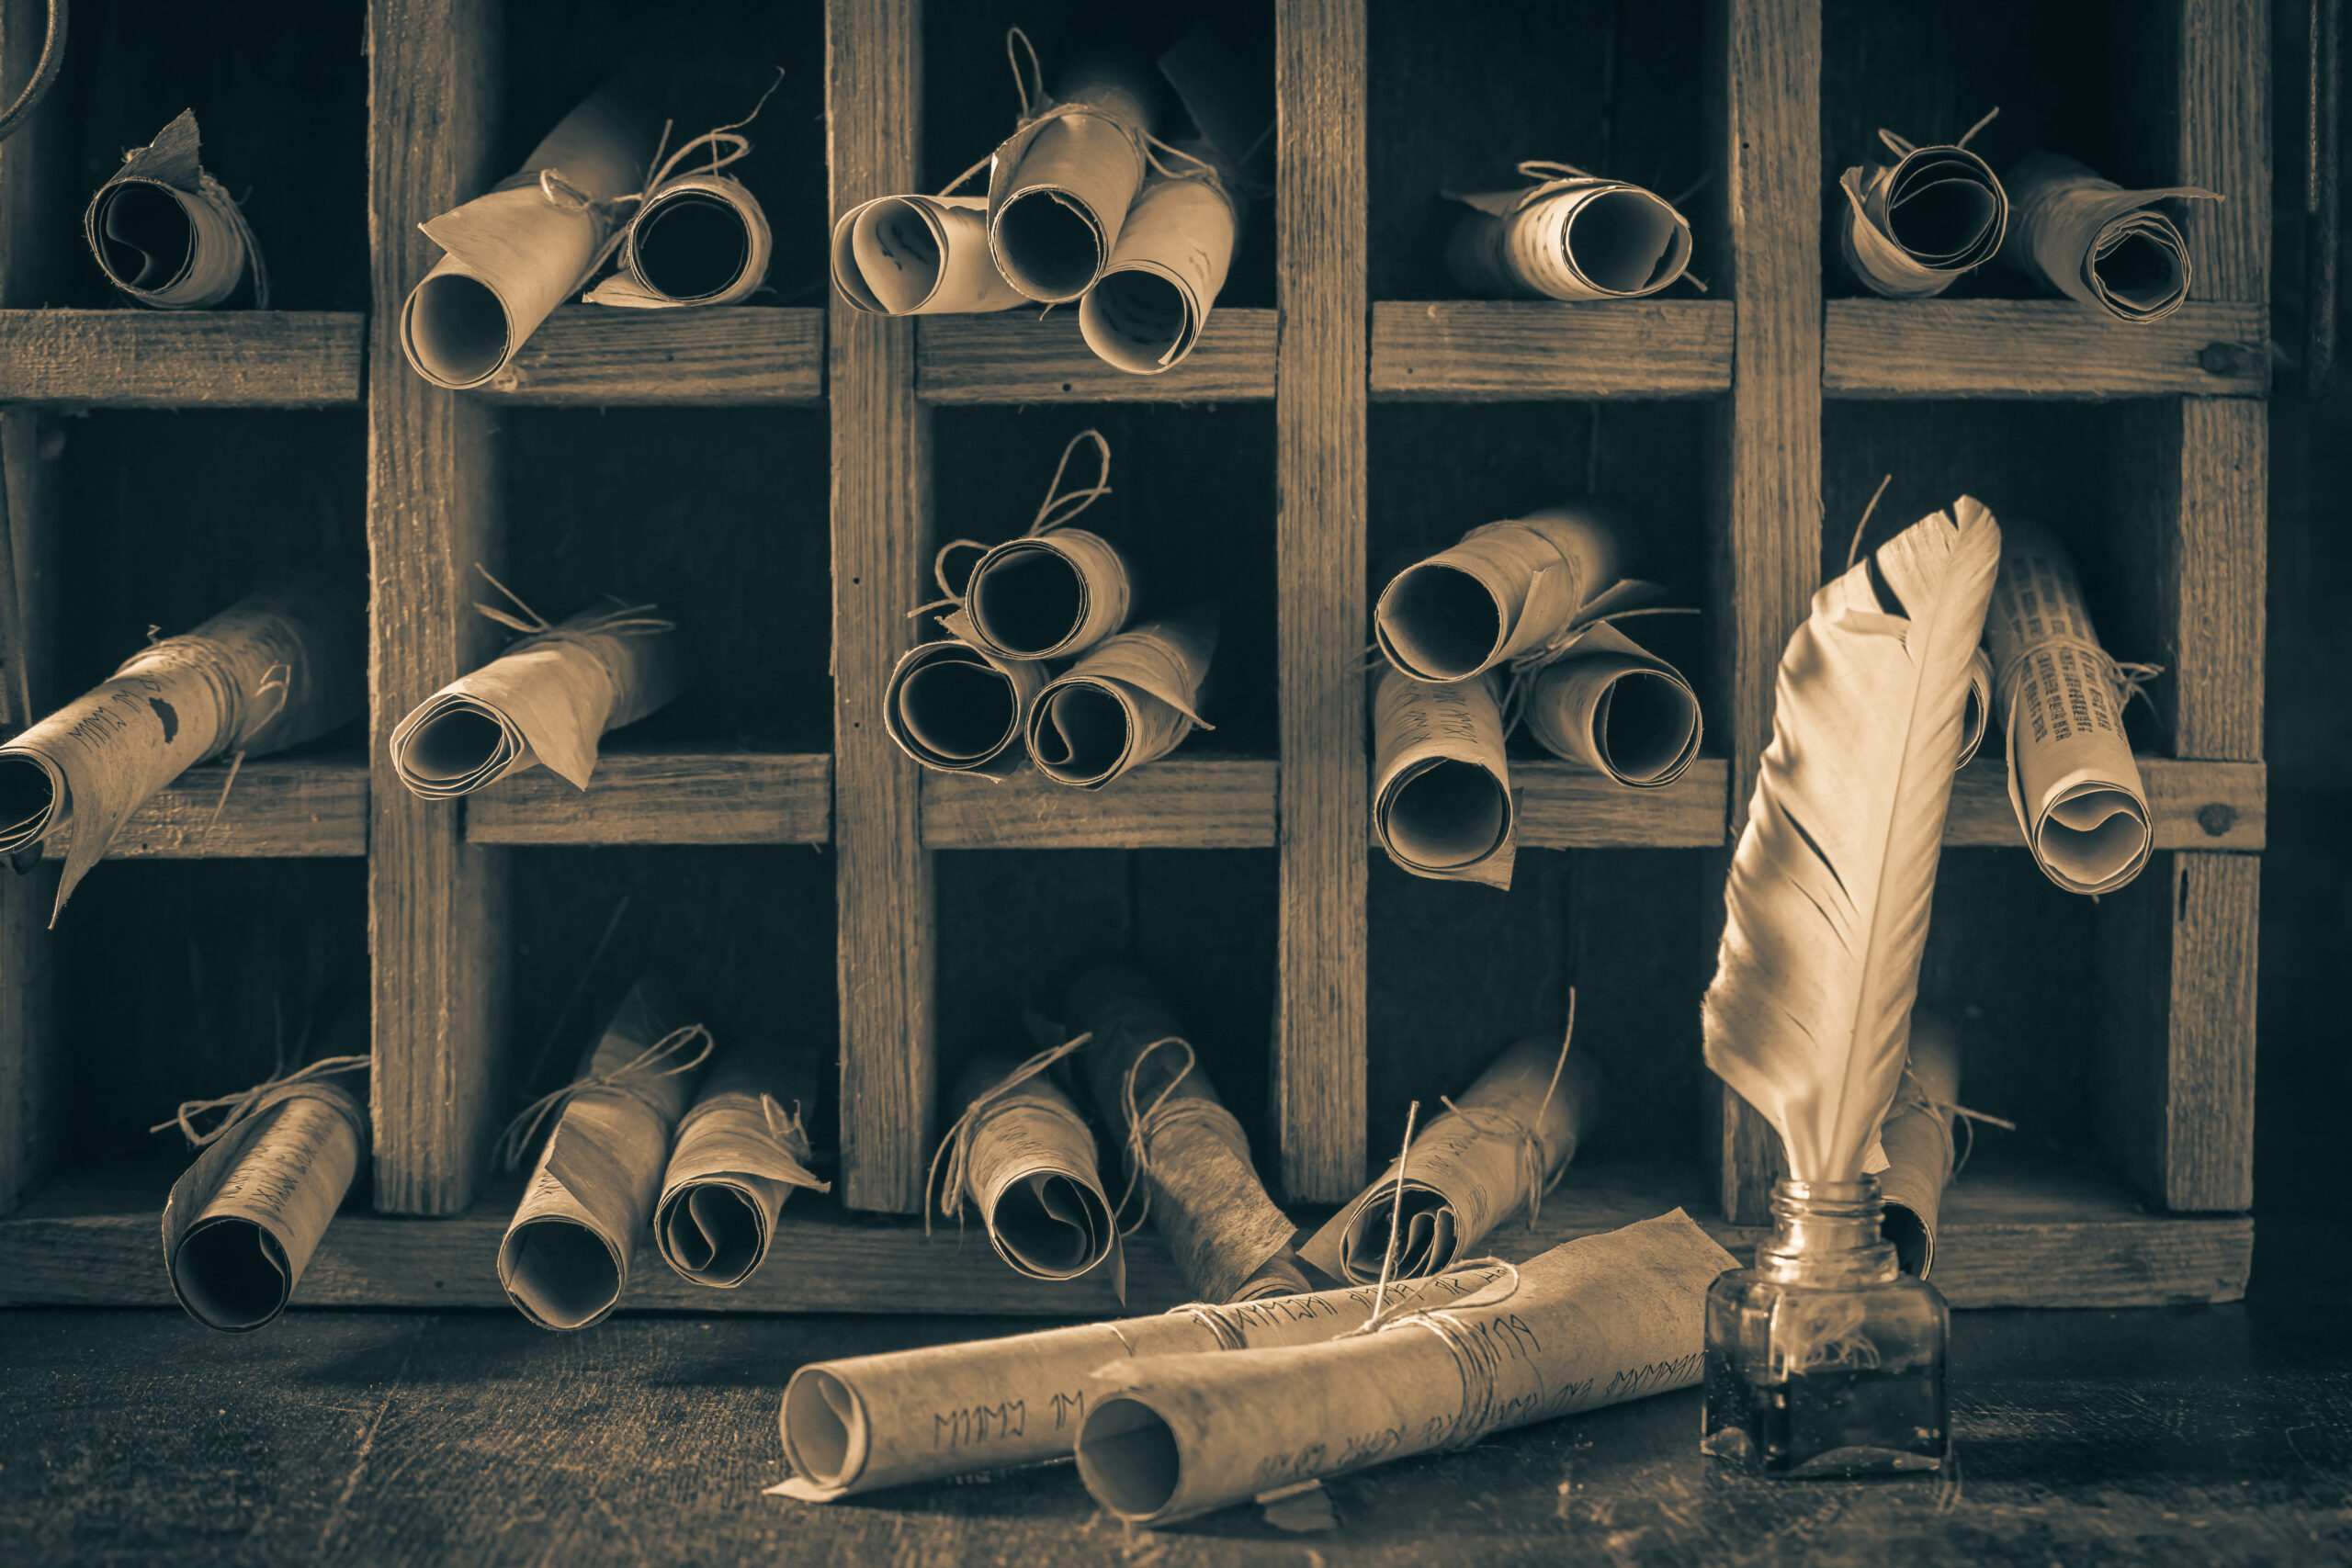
[881,522]
[1768,547]
[1321,387]
[436,906]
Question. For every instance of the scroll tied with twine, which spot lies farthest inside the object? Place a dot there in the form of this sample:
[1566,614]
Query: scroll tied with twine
[740,1151]
[1054,591]
[2093,241]
[1496,1150]
[961,709]
[274,670]
[1131,700]
[1023,1155]
[697,236]
[1593,1322]
[1505,591]
[1917,1142]
[867,1422]
[1596,696]
[166,233]
[2059,699]
[566,1257]
[547,699]
[1921,216]
[1187,1158]
[1570,235]
[1441,802]
[1060,185]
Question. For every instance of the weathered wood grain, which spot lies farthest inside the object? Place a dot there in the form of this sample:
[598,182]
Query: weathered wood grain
[2041,348]
[881,522]
[146,359]
[1515,350]
[664,798]
[278,806]
[1178,802]
[1565,806]
[437,904]
[2191,806]
[598,355]
[1014,357]
[1322,477]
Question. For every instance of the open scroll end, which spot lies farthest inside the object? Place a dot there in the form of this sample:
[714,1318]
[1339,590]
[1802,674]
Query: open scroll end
[692,247]
[32,798]
[958,712]
[1048,245]
[895,250]
[459,747]
[559,1274]
[1138,322]
[1027,600]
[1052,1227]
[231,1275]
[1078,734]
[1425,1233]
[1438,623]
[1449,815]
[455,330]
[825,1436]
[1648,729]
[1129,1457]
[147,237]
[1915,1245]
[711,1234]
[1627,242]
[2092,839]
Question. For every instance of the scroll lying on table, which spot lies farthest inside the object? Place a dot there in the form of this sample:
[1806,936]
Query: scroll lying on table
[1570,236]
[869,1422]
[740,1151]
[1920,221]
[1047,595]
[2073,782]
[1590,1322]
[1130,701]
[1498,1149]
[700,239]
[2093,241]
[166,232]
[527,245]
[920,256]
[960,709]
[565,1259]
[1505,591]
[1059,187]
[274,670]
[1183,1147]
[1604,701]
[547,699]
[1442,800]
[1024,1155]
[1917,1142]
[1146,312]
[1978,715]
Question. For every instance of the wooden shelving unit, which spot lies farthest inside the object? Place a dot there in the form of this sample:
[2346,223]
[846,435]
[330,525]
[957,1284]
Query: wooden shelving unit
[1751,397]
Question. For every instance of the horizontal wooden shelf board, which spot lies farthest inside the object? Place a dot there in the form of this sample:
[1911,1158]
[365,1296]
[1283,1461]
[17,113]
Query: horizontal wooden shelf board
[602,355]
[2191,804]
[2031,1235]
[1178,802]
[664,798]
[1013,356]
[2039,348]
[133,358]
[1565,806]
[278,806]
[1493,350]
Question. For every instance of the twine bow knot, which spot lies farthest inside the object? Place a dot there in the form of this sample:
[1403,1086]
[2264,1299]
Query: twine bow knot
[1912,1095]
[624,1079]
[955,1149]
[245,1102]
[622,620]
[1147,1123]
[1059,509]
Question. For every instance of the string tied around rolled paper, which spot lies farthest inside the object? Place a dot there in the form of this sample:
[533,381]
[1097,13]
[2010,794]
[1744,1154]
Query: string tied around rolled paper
[1912,1095]
[1903,148]
[628,1079]
[1058,509]
[1148,1123]
[2125,680]
[955,1149]
[622,620]
[236,1107]
[1534,1153]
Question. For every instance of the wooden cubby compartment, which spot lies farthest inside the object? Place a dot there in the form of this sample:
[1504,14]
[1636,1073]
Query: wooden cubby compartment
[779,474]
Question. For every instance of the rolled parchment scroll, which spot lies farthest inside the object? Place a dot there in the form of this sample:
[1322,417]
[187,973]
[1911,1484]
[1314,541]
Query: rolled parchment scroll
[1978,715]
[2056,695]
[920,256]
[1917,1142]
[516,253]
[166,232]
[547,699]
[565,1259]
[1130,701]
[960,709]
[274,670]
[1592,1321]
[1185,1149]
[1146,310]
[1921,220]
[2093,241]
[873,1421]
[244,1219]
[740,1150]
[1047,595]
[700,239]
[1023,1155]
[1441,802]
[1608,703]
[1498,1149]
[1570,236]
[1059,187]
[1505,591]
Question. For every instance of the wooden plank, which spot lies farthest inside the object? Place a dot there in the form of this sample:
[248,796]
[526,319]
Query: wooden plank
[598,355]
[2191,806]
[1513,350]
[278,806]
[664,798]
[1180,802]
[1564,806]
[1769,554]
[1321,475]
[2041,348]
[881,523]
[437,904]
[146,359]
[1014,357]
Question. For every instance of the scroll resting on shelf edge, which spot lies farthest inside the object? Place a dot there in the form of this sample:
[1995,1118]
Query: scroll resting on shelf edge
[1593,1322]
[274,670]
[2095,242]
[867,1422]
[166,232]
[1146,313]
[1060,185]
[1572,236]
[1915,224]
[1917,1142]
[1131,700]
[700,239]
[1605,701]
[1504,590]
[2073,782]
[1440,800]
[1024,1155]
[547,699]
[740,1151]
[961,709]
[920,256]
[1468,1170]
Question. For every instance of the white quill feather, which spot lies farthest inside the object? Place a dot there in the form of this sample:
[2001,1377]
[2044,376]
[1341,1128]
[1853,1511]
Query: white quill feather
[1826,908]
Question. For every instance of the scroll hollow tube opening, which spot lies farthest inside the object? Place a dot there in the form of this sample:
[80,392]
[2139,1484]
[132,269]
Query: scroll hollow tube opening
[1425,1237]
[1135,321]
[1440,623]
[1079,733]
[147,236]
[1129,1457]
[1913,1246]
[28,800]
[457,329]
[959,711]
[1027,600]
[1453,815]
[231,1274]
[895,257]
[455,744]
[1049,245]
[1627,242]
[1053,1225]
[691,246]
[563,1271]
[824,1427]
[1647,723]
[713,1234]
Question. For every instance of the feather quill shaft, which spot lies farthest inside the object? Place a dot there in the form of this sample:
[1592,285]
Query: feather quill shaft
[1827,905]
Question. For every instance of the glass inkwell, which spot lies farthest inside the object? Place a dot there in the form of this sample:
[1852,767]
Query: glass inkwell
[1825,1358]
